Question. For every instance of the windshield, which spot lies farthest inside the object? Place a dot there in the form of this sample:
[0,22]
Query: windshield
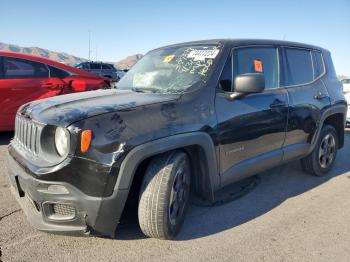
[171,70]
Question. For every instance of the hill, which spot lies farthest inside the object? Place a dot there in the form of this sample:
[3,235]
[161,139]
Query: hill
[64,58]
[128,62]
[37,51]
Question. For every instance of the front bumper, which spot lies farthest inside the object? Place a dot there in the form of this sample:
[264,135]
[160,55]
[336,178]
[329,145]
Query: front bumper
[91,215]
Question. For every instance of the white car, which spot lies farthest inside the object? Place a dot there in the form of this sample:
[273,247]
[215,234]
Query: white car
[346,90]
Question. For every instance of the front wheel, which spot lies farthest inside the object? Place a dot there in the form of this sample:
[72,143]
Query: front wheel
[320,161]
[164,195]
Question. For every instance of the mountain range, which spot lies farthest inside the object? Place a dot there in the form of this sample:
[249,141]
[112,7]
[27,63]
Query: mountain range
[65,58]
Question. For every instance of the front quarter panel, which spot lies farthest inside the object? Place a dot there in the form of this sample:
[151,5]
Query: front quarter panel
[115,134]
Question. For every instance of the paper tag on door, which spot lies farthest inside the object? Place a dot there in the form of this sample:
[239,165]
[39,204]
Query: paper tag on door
[258,66]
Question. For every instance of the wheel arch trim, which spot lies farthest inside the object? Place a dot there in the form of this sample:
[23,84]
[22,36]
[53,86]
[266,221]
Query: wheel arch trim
[335,109]
[138,154]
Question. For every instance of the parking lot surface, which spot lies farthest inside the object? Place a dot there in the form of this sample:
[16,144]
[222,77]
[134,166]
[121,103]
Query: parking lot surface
[289,216]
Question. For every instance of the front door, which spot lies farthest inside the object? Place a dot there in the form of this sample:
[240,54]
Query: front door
[22,81]
[251,129]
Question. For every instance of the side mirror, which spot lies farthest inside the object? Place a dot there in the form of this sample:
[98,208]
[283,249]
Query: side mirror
[249,83]
[78,86]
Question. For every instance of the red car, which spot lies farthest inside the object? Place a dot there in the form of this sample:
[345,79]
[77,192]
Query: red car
[24,78]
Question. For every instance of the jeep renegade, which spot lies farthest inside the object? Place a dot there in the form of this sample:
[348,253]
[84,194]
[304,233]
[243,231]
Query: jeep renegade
[187,118]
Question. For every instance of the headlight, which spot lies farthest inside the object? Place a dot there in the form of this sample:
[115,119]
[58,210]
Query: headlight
[61,141]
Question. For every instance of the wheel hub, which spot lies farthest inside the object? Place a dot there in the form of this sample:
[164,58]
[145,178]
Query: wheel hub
[178,196]
[326,151]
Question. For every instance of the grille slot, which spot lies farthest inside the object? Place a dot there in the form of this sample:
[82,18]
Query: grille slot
[27,134]
[62,211]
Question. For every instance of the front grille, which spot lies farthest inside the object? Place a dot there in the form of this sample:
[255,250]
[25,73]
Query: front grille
[27,134]
[62,211]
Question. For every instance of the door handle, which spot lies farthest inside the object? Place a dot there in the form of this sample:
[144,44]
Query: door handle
[47,85]
[51,86]
[278,104]
[319,95]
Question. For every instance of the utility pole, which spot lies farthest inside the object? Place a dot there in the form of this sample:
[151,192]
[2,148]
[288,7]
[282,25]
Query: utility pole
[96,48]
[89,44]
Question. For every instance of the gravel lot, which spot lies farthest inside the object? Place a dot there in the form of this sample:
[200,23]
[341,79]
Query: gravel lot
[289,216]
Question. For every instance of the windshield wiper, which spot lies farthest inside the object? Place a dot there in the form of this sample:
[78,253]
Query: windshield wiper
[145,90]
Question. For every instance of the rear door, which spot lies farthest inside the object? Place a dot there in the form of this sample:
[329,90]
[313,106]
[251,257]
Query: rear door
[22,81]
[58,81]
[301,74]
[251,129]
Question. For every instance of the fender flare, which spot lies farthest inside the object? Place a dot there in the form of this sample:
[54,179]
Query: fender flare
[335,109]
[144,151]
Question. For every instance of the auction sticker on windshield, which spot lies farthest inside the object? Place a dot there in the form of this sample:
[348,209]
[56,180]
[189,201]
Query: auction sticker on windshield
[203,54]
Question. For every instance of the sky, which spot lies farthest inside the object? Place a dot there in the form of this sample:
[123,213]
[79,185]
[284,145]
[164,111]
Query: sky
[121,28]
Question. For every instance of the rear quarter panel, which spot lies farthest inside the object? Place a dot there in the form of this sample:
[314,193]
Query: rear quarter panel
[331,81]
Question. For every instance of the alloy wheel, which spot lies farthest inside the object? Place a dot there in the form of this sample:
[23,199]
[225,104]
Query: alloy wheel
[327,151]
[179,195]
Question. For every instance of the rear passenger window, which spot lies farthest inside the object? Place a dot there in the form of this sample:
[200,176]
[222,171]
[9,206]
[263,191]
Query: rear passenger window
[85,66]
[95,66]
[21,68]
[108,67]
[257,60]
[56,72]
[318,64]
[1,68]
[297,67]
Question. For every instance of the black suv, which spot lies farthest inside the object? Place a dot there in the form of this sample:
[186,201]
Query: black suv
[101,69]
[191,117]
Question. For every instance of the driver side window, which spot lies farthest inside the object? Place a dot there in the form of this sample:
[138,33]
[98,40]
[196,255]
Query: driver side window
[257,60]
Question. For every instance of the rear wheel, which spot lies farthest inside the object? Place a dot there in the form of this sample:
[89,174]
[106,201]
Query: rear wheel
[164,195]
[320,161]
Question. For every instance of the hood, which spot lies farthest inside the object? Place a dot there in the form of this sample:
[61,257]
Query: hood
[66,109]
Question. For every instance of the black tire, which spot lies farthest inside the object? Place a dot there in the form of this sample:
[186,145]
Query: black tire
[321,160]
[166,182]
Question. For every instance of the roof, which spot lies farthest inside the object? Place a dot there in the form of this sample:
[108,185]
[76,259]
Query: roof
[247,42]
[94,62]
